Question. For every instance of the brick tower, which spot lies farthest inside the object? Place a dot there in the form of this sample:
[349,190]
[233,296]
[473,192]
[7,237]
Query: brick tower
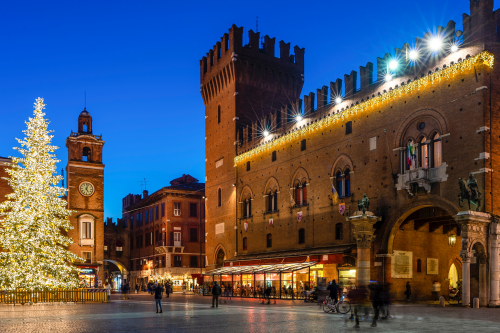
[85,177]
[241,85]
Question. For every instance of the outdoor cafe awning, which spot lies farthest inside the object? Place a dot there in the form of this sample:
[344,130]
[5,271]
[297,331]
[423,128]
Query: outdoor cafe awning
[259,269]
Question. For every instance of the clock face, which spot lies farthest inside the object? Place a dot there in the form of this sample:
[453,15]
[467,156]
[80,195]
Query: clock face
[86,189]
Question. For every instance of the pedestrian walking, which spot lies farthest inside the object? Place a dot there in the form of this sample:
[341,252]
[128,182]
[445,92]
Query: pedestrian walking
[268,294]
[408,291]
[136,288]
[167,289]
[376,300]
[436,289]
[386,300]
[216,291]
[108,291]
[158,290]
[358,298]
[334,292]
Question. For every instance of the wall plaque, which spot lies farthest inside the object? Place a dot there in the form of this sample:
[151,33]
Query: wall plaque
[432,266]
[402,265]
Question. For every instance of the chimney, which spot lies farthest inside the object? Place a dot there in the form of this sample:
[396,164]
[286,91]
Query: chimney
[144,194]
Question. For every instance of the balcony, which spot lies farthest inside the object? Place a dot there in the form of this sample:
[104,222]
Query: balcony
[422,177]
[162,247]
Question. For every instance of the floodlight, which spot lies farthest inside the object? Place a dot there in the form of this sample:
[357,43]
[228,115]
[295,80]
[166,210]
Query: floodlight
[266,133]
[388,77]
[454,48]
[435,44]
[393,64]
[413,55]
[338,100]
[298,117]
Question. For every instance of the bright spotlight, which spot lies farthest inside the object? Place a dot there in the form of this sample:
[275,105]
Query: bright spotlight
[435,44]
[388,77]
[413,55]
[338,100]
[266,133]
[454,48]
[393,64]
[298,117]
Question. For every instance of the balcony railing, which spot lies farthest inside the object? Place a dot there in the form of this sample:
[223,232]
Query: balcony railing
[423,177]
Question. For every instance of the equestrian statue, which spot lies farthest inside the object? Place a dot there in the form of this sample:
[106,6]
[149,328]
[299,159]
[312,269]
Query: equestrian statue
[470,192]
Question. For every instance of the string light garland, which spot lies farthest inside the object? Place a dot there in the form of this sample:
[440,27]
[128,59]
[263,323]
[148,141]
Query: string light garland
[484,57]
[35,255]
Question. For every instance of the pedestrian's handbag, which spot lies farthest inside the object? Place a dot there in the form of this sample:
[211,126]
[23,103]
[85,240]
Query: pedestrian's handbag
[406,293]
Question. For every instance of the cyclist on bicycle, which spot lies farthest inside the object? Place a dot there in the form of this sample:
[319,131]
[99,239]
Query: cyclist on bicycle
[333,287]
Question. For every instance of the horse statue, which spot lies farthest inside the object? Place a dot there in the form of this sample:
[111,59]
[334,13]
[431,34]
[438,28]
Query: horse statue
[364,203]
[470,192]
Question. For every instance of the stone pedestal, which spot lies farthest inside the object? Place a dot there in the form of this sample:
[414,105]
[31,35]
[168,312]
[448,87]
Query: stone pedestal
[362,231]
[474,229]
[494,263]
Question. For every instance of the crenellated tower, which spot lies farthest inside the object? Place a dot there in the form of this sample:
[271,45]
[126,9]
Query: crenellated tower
[241,85]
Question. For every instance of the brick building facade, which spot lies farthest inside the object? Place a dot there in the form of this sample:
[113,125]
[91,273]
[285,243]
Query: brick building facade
[274,167]
[166,233]
[116,252]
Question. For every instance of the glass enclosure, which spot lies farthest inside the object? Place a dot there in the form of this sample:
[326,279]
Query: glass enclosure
[247,285]
[286,285]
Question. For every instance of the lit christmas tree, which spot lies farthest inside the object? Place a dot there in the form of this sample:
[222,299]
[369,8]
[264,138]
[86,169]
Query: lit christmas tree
[34,251]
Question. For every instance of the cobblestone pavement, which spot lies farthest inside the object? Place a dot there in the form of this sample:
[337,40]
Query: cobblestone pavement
[194,314]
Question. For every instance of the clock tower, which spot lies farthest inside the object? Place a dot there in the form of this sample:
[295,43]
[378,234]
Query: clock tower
[85,181]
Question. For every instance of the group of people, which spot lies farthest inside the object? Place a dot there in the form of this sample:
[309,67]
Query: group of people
[377,294]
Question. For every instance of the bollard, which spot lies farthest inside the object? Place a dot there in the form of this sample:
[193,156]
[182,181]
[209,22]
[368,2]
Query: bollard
[441,301]
[475,303]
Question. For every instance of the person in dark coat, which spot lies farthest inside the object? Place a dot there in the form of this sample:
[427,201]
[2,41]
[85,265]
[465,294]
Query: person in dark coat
[376,300]
[268,294]
[358,298]
[408,291]
[158,290]
[136,288]
[167,289]
[216,291]
[334,291]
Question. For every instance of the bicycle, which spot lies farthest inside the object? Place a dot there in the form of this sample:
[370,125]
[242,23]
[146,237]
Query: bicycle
[341,306]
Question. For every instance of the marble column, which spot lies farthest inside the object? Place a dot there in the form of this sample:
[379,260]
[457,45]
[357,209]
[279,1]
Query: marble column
[466,277]
[494,264]
[362,230]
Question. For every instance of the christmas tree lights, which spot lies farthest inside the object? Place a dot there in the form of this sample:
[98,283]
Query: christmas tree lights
[34,251]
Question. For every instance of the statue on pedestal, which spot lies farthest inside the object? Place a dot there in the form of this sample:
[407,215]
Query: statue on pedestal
[469,191]
[364,204]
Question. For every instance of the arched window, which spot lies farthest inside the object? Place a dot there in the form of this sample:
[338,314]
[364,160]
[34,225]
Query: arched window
[218,114]
[436,151]
[275,196]
[410,155]
[302,236]
[419,265]
[219,197]
[424,156]
[84,127]
[220,257]
[269,240]
[247,210]
[301,194]
[119,246]
[272,201]
[339,184]
[244,244]
[86,154]
[339,231]
[347,180]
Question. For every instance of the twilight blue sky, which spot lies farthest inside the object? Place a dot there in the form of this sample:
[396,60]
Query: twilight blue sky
[139,63]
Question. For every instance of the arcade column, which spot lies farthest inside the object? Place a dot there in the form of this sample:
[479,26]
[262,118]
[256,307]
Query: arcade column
[494,263]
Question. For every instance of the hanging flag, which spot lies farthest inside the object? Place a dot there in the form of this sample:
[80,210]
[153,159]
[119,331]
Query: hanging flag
[335,195]
[292,202]
[342,208]
[299,216]
[271,221]
[246,226]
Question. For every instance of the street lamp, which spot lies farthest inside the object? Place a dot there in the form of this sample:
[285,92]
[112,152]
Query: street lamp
[452,239]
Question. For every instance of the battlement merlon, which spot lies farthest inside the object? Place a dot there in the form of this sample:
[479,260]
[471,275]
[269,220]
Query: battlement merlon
[231,48]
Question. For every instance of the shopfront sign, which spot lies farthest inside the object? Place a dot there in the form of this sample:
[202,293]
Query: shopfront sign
[87,271]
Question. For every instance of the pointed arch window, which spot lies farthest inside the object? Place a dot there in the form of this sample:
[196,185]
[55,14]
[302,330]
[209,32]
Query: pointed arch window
[436,151]
[419,265]
[272,201]
[347,180]
[247,208]
[339,184]
[424,154]
[301,194]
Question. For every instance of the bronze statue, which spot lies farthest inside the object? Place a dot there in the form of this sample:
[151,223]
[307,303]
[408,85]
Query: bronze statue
[469,191]
[364,203]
